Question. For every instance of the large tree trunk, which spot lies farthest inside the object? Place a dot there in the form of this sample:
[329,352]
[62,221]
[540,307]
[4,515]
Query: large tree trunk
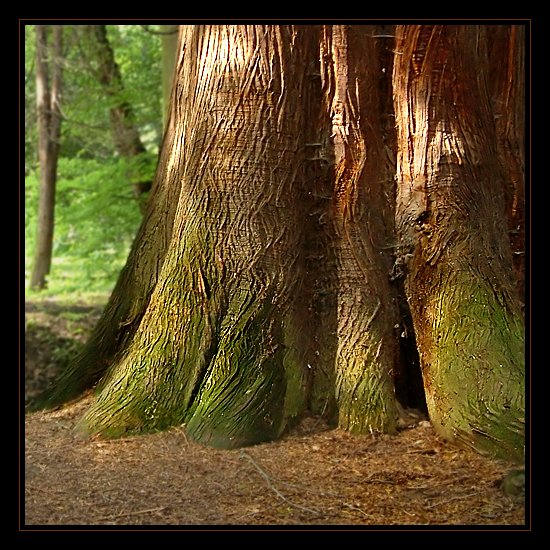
[451,218]
[266,277]
[48,94]
[216,347]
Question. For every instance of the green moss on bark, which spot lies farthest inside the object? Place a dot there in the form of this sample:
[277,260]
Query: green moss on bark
[239,400]
[218,365]
[474,367]
[364,392]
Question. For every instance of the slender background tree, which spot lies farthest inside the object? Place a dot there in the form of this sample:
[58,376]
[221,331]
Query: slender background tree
[126,137]
[97,210]
[49,69]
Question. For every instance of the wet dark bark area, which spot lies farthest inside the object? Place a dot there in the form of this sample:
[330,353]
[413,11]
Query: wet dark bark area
[507,76]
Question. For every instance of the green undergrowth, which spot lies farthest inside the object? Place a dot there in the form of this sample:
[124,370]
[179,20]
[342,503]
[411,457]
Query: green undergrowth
[96,218]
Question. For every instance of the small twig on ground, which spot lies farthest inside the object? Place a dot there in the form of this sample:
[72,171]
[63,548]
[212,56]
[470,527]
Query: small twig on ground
[182,432]
[133,513]
[459,497]
[327,493]
[351,507]
[274,489]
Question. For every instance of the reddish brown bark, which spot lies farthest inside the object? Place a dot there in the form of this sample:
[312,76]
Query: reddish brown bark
[507,78]
[261,282]
[359,216]
[451,218]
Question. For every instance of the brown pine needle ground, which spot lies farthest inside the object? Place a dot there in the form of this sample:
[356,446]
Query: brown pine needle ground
[313,476]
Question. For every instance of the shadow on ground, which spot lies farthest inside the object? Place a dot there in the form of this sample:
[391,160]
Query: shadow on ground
[54,333]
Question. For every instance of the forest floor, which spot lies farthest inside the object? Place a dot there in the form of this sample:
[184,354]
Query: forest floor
[314,476]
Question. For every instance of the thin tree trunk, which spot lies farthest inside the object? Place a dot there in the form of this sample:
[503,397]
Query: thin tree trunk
[49,131]
[451,219]
[125,133]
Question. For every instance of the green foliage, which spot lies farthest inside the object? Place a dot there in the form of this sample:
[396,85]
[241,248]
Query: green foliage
[96,219]
[138,54]
[96,214]
[86,106]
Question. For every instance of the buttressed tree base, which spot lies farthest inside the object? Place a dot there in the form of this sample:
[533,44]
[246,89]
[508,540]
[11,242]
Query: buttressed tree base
[329,201]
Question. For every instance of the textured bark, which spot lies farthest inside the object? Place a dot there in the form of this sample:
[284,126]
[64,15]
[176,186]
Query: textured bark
[131,295]
[215,347]
[360,219]
[48,95]
[268,275]
[451,219]
[133,289]
[507,80]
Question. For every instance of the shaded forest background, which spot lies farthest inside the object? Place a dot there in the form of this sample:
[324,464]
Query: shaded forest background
[97,212]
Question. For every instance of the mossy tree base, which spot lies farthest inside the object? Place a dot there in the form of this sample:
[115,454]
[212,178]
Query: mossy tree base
[474,367]
[260,284]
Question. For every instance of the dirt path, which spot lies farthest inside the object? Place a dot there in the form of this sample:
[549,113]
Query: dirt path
[313,476]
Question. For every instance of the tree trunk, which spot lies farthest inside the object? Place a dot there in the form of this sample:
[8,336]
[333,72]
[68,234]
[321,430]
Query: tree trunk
[451,219]
[132,292]
[360,227]
[267,277]
[507,78]
[48,96]
[124,131]
[216,347]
